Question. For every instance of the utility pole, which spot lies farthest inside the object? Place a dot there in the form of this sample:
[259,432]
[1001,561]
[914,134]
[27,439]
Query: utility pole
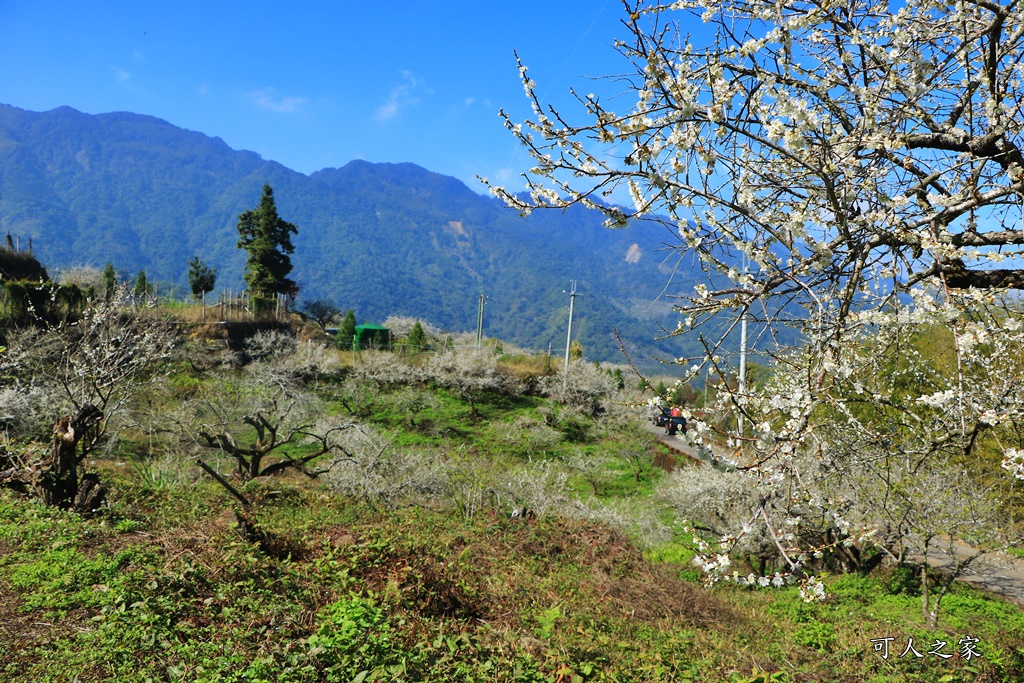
[480,321]
[568,336]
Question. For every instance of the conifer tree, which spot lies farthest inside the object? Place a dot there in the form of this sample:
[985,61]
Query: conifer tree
[417,337]
[201,277]
[268,239]
[109,280]
[141,286]
[346,331]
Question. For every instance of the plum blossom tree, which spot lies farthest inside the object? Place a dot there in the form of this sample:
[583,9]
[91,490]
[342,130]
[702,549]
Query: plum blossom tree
[469,371]
[87,369]
[866,163]
[827,141]
[267,424]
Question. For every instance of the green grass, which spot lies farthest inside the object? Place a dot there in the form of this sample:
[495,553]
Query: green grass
[162,588]
[492,429]
[451,417]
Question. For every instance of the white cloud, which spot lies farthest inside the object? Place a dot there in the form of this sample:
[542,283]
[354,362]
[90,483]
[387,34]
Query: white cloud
[388,110]
[121,75]
[402,96]
[266,98]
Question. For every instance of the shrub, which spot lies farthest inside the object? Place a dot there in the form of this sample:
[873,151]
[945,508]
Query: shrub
[583,388]
[355,637]
[816,635]
[21,265]
[716,502]
[530,435]
[384,369]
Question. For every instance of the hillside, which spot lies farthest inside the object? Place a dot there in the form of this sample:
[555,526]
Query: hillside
[463,526]
[380,238]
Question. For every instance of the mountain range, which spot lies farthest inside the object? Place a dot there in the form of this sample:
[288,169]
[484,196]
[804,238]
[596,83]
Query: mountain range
[382,239]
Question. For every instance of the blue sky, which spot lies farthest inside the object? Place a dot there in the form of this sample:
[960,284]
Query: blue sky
[316,84]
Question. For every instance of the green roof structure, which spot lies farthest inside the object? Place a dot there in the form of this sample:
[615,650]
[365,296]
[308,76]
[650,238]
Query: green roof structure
[371,337]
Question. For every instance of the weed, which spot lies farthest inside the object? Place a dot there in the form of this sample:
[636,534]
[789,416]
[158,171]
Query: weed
[816,635]
[546,621]
[355,640]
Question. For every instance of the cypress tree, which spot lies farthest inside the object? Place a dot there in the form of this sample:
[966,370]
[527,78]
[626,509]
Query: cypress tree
[141,286]
[201,277]
[346,331]
[417,337]
[268,239]
[109,280]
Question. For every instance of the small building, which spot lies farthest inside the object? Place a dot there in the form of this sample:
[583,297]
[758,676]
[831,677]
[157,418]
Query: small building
[371,337]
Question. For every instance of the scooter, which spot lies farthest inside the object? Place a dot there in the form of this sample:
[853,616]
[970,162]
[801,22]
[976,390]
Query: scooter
[674,424]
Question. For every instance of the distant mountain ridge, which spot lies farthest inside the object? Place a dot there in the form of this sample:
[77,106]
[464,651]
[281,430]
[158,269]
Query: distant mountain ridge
[383,239]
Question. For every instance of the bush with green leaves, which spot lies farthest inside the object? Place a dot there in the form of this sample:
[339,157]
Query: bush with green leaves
[356,641]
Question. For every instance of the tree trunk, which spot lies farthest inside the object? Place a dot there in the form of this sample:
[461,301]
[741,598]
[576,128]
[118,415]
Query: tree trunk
[59,485]
[928,615]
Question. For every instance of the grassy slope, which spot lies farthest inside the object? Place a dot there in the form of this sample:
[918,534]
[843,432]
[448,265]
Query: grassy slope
[161,587]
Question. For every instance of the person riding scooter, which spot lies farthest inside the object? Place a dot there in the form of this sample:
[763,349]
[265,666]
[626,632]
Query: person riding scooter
[676,421]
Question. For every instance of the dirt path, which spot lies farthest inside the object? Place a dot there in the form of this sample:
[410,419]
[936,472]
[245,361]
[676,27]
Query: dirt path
[996,573]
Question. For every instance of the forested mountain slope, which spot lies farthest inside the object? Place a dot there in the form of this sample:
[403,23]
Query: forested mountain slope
[380,238]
